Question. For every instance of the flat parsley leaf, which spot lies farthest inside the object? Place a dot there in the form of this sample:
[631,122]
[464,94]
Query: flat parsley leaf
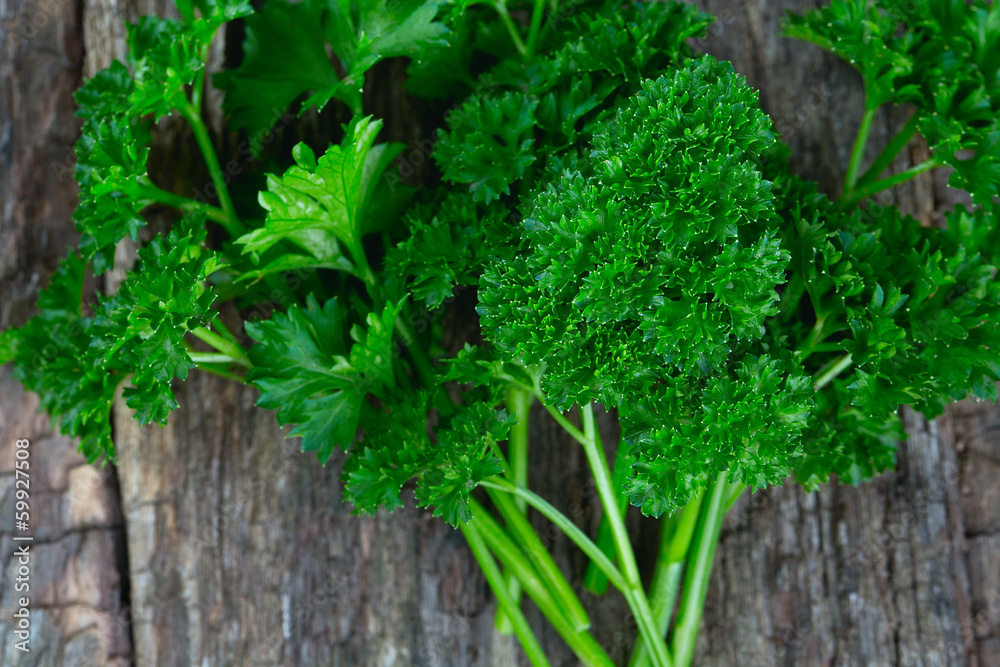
[306,371]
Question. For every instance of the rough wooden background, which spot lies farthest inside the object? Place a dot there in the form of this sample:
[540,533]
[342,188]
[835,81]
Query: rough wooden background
[217,543]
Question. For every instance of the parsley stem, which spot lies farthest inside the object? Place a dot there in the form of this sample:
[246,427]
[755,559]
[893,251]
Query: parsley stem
[827,376]
[537,13]
[857,153]
[675,541]
[217,371]
[235,352]
[581,642]
[417,355]
[576,433]
[890,152]
[736,490]
[210,358]
[626,559]
[869,189]
[699,566]
[199,80]
[563,523]
[815,337]
[791,294]
[420,360]
[501,8]
[530,544]
[182,203]
[226,333]
[193,117]
[594,580]
[519,404]
[510,607]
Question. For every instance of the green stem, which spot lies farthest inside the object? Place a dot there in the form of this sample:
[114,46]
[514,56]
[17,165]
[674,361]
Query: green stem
[857,153]
[510,606]
[210,358]
[582,643]
[666,581]
[867,190]
[360,258]
[890,152]
[736,490]
[220,372]
[826,376]
[519,404]
[567,425]
[626,559]
[699,569]
[815,337]
[185,204]
[537,13]
[563,523]
[199,81]
[226,333]
[193,116]
[791,295]
[515,36]
[237,353]
[594,580]
[420,360]
[541,559]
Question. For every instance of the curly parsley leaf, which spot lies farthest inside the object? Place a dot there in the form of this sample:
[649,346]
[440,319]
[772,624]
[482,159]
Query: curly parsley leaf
[51,359]
[490,145]
[747,423]
[111,159]
[621,255]
[142,326]
[447,463]
[165,57]
[75,362]
[445,247]
[939,57]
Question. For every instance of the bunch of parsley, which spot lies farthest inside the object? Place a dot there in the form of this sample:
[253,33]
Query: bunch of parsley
[625,212]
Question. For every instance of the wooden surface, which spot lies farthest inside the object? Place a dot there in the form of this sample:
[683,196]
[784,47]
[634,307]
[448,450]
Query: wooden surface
[240,553]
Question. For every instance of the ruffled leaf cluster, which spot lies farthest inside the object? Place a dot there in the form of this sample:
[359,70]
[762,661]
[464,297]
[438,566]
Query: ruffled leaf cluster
[646,276]
[939,56]
[637,269]
[164,59]
[75,362]
[915,308]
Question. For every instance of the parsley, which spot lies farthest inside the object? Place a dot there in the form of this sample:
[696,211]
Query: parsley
[622,213]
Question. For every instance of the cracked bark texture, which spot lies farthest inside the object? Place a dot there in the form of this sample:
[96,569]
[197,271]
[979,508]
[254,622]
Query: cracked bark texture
[240,553]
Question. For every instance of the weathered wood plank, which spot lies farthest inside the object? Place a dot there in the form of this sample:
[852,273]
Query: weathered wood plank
[77,587]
